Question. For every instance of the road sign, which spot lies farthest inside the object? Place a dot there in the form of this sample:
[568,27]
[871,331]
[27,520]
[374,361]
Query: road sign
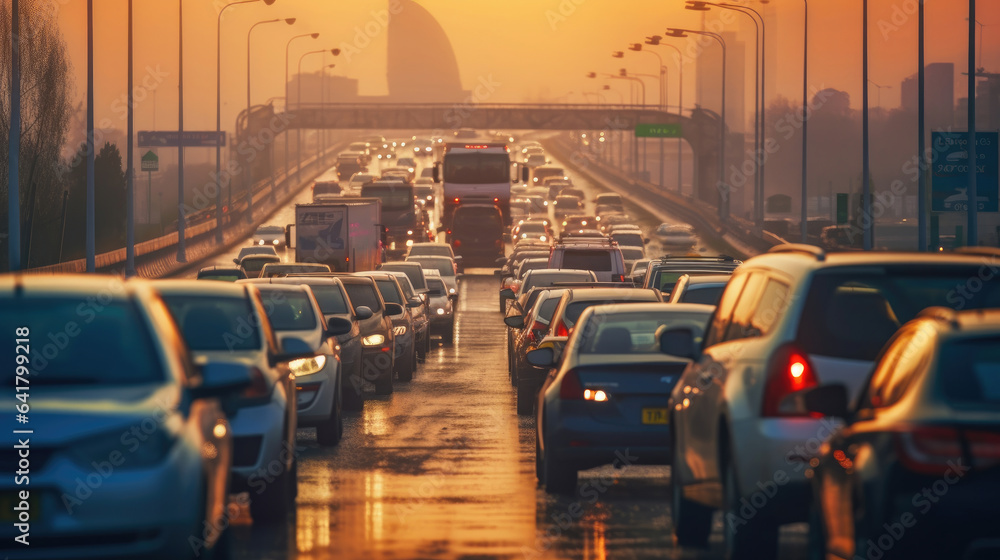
[950,172]
[172,138]
[658,130]
[150,161]
[842,214]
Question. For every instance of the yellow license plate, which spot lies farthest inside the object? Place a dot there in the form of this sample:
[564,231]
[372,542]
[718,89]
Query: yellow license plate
[654,416]
[11,499]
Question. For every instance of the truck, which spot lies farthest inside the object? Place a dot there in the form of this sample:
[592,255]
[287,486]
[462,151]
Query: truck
[345,234]
[405,223]
[475,173]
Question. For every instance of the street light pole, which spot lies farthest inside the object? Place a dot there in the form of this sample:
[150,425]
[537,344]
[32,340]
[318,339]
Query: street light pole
[866,206]
[804,217]
[973,190]
[90,239]
[129,185]
[287,48]
[181,256]
[655,40]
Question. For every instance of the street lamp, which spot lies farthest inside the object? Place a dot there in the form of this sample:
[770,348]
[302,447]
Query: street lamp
[804,215]
[248,172]
[298,167]
[654,40]
[759,100]
[298,95]
[637,47]
[722,187]
[218,116]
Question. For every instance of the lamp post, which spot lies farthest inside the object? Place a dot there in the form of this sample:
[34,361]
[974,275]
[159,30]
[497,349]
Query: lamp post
[655,40]
[722,187]
[14,144]
[921,135]
[288,45]
[248,171]
[218,115]
[972,191]
[759,43]
[298,94]
[804,210]
[322,98]
[129,185]
[866,204]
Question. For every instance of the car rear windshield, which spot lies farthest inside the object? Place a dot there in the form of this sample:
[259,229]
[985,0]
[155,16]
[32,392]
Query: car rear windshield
[598,260]
[430,250]
[390,293]
[630,239]
[546,309]
[708,295]
[221,275]
[363,294]
[412,272]
[330,298]
[576,308]
[288,311]
[443,266]
[852,313]
[553,278]
[326,188]
[436,287]
[211,323]
[283,269]
[635,333]
[254,264]
[78,342]
[969,372]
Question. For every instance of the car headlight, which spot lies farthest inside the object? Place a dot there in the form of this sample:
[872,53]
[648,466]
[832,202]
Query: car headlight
[542,238]
[260,241]
[409,232]
[400,330]
[524,236]
[409,243]
[274,242]
[373,340]
[451,290]
[439,311]
[307,366]
[142,445]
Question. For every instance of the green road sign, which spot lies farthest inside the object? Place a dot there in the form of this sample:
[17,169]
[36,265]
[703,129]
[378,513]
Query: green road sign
[658,130]
[150,161]
[842,217]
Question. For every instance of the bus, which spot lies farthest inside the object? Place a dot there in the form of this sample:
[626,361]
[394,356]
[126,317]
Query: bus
[474,173]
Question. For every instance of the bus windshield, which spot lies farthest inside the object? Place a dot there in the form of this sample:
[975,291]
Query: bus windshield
[477,169]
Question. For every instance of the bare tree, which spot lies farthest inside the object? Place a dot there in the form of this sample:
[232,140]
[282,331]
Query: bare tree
[46,92]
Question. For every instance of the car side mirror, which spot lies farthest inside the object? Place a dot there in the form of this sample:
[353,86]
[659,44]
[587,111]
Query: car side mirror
[337,326]
[507,293]
[646,240]
[514,321]
[394,309]
[220,379]
[542,357]
[363,312]
[826,400]
[414,302]
[294,348]
[236,261]
[501,261]
[678,342]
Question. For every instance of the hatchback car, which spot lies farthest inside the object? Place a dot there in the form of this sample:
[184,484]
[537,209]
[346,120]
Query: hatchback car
[403,323]
[279,269]
[609,390]
[442,310]
[445,266]
[252,265]
[106,365]
[269,235]
[255,250]
[789,320]
[706,289]
[223,322]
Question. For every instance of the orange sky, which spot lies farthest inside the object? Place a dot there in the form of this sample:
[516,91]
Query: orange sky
[533,48]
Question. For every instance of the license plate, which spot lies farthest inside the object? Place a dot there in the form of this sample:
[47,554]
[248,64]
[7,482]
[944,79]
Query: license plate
[10,499]
[654,416]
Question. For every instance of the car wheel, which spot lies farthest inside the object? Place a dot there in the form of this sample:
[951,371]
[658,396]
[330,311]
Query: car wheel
[816,548]
[560,478]
[328,432]
[526,396]
[539,470]
[448,336]
[502,306]
[383,384]
[406,369]
[272,504]
[352,392]
[745,539]
[692,521]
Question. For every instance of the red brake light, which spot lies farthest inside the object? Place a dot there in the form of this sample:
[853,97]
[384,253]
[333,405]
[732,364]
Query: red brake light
[456,200]
[456,242]
[788,372]
[561,329]
[496,199]
[537,328]
[476,146]
[933,450]
[570,387]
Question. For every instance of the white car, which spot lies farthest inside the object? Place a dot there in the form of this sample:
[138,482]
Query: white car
[269,235]
[446,267]
[227,323]
[680,236]
[357,180]
[130,450]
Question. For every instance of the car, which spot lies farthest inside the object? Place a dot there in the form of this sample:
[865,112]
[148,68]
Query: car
[606,210]
[662,273]
[227,323]
[555,185]
[413,271]
[676,236]
[419,310]
[445,266]
[638,271]
[631,255]
[526,321]
[254,250]
[269,235]
[403,323]
[609,198]
[611,220]
[788,320]
[919,446]
[535,160]
[532,229]
[253,265]
[409,163]
[603,390]
[602,256]
[407,173]
[538,174]
[572,303]
[363,149]
[509,266]
[357,180]
[626,238]
[526,266]
[422,147]
[567,205]
[578,221]
[536,205]
[619,228]
[327,184]
[378,351]
[432,250]
[221,273]
[273,269]
[442,308]
[293,311]
[706,289]
[570,190]
[349,163]
[108,365]
[334,304]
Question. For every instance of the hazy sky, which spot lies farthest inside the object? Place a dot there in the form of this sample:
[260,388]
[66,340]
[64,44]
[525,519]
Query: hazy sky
[533,48]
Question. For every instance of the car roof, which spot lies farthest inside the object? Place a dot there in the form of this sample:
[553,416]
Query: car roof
[429,258]
[596,294]
[314,280]
[65,284]
[194,287]
[798,259]
[642,307]
[699,279]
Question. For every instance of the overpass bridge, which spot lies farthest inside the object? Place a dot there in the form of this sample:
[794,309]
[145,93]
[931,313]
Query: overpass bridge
[700,129]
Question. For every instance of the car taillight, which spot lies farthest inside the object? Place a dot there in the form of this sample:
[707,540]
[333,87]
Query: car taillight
[789,371]
[561,330]
[934,450]
[536,330]
[617,278]
[456,242]
[258,386]
[570,388]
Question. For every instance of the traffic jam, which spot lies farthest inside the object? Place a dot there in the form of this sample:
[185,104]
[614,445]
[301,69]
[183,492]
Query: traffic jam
[852,396]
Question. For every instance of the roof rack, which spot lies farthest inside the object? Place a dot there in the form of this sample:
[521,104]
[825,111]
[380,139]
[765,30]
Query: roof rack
[813,250]
[941,313]
[978,251]
[698,258]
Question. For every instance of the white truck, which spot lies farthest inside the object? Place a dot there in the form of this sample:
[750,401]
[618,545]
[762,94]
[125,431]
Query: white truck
[347,234]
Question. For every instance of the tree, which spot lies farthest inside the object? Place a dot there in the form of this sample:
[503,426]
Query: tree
[46,90]
[109,202]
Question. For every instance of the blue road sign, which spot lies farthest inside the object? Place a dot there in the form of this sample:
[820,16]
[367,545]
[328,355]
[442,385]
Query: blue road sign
[950,168]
